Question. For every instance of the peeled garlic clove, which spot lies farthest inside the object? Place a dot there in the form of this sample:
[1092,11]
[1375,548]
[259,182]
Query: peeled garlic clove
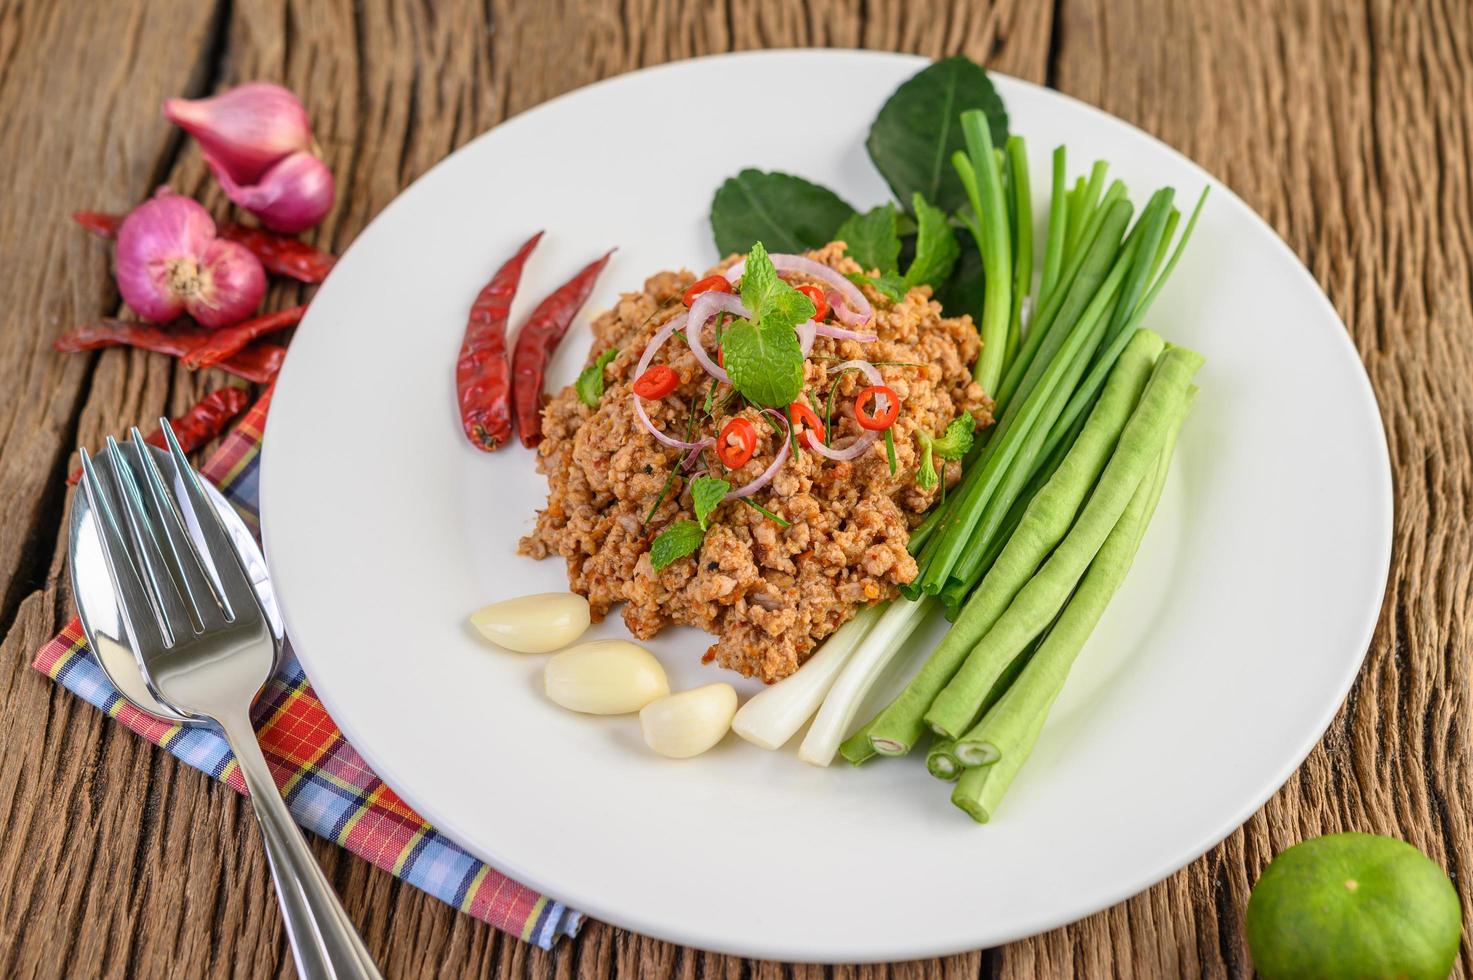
[605,677]
[688,723]
[534,623]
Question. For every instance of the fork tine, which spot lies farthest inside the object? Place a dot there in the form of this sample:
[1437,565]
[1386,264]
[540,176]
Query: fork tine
[173,614]
[189,571]
[133,601]
[237,594]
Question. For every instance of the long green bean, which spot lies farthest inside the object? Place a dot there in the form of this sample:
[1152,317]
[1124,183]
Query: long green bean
[1045,522]
[1036,603]
[1008,731]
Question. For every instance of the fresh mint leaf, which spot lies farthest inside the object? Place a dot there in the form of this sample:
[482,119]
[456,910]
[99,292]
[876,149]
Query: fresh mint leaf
[762,355]
[789,213]
[760,280]
[590,383]
[706,492]
[873,239]
[674,543]
[919,128]
[936,247]
[764,361]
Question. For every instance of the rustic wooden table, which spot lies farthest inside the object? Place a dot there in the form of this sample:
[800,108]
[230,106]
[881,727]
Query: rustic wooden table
[1346,124]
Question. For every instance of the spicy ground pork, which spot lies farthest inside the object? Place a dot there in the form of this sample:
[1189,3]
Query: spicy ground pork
[769,592]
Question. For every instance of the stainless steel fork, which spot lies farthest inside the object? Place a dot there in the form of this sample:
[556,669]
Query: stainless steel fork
[206,649]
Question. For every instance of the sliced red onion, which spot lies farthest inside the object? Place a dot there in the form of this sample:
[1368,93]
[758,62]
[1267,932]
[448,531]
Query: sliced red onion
[667,440]
[807,333]
[707,305]
[865,368]
[695,454]
[839,333]
[773,467]
[855,310]
[867,438]
[658,341]
[850,451]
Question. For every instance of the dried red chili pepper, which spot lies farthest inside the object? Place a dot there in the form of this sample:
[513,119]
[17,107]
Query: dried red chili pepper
[203,422]
[281,255]
[258,363]
[227,341]
[537,340]
[99,222]
[483,372]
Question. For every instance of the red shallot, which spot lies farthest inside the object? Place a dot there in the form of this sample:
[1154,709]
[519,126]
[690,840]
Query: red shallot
[169,262]
[246,129]
[293,195]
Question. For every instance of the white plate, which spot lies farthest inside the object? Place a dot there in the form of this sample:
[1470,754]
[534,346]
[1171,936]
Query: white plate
[1215,671]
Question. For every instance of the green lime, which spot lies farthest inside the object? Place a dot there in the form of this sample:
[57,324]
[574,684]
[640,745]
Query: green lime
[1353,906]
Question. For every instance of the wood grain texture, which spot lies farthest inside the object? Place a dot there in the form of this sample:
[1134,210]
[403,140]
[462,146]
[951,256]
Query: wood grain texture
[1346,123]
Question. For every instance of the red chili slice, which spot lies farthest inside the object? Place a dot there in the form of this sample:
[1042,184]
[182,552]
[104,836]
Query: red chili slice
[820,303]
[805,417]
[657,382]
[716,283]
[886,417]
[737,443]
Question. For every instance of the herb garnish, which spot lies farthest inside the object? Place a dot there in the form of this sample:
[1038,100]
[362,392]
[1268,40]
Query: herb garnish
[674,543]
[590,383]
[762,355]
[954,444]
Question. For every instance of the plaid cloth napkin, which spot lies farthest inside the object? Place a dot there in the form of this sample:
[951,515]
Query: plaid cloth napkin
[328,786]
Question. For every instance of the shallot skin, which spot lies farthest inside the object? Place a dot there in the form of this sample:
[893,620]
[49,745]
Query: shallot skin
[169,262]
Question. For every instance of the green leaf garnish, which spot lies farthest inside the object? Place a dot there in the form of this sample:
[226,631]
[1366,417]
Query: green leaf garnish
[590,383]
[890,450]
[918,129]
[936,247]
[706,492]
[873,239]
[789,213]
[957,440]
[926,477]
[961,292]
[763,357]
[674,543]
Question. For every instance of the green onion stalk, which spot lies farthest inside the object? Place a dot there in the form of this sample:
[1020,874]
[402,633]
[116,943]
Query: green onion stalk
[988,223]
